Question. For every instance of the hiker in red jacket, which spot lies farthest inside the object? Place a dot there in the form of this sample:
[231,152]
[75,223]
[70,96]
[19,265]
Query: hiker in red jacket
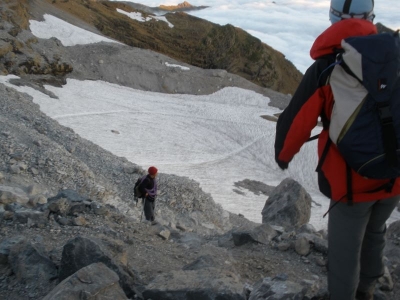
[356,233]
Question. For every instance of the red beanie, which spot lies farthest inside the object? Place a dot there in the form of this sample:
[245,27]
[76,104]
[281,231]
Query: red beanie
[153,170]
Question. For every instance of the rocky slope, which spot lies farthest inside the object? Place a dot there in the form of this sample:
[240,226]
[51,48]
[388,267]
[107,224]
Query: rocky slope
[69,228]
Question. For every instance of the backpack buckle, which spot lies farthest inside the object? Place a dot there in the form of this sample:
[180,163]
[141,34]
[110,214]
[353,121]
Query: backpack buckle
[385,114]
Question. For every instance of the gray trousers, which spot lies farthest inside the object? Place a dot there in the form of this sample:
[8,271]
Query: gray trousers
[149,209]
[356,239]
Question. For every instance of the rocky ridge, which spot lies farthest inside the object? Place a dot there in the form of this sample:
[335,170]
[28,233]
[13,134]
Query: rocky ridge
[184,6]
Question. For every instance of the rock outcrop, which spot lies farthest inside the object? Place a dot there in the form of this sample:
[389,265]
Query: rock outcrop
[289,205]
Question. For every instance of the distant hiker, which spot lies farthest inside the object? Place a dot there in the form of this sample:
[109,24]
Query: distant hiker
[148,191]
[356,231]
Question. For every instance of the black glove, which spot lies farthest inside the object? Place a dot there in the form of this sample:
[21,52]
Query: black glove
[283,165]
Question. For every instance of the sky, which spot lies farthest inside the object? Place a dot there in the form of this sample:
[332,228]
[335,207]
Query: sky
[289,26]
[216,139]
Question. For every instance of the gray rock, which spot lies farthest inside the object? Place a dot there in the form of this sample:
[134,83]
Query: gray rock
[59,206]
[206,261]
[130,169]
[33,190]
[14,169]
[289,205]
[98,209]
[392,248]
[34,217]
[30,264]
[77,208]
[95,281]
[70,195]
[270,289]
[319,244]
[5,247]
[37,199]
[165,234]
[209,283]
[302,246]
[262,234]
[386,281]
[10,194]
[81,252]
[64,221]
[284,246]
[79,221]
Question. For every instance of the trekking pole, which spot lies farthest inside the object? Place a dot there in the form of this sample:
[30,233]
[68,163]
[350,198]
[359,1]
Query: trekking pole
[144,204]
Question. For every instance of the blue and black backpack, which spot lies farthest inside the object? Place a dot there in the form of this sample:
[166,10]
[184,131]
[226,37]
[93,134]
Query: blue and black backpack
[365,120]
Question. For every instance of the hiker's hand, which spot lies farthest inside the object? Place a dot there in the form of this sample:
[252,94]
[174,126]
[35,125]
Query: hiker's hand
[283,165]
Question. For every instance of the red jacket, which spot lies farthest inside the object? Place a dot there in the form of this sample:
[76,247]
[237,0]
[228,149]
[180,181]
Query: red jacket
[314,99]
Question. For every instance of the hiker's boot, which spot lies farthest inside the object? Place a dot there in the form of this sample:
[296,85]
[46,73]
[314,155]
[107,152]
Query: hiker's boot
[365,295]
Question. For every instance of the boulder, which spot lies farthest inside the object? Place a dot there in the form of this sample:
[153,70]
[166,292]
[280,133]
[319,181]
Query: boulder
[207,283]
[32,217]
[30,263]
[12,195]
[289,205]
[5,247]
[262,234]
[81,252]
[277,289]
[319,244]
[70,195]
[95,281]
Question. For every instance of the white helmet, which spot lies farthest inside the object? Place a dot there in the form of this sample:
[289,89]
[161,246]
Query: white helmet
[347,9]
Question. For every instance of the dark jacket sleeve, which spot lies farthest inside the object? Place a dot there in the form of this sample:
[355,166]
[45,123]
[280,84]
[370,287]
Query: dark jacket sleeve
[296,122]
[146,185]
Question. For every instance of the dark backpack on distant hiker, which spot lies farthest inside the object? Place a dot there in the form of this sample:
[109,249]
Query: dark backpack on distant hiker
[365,120]
[136,189]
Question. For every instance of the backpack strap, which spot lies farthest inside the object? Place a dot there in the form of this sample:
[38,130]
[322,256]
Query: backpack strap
[388,133]
[387,187]
[329,67]
[348,70]
[325,121]
[324,154]
[349,184]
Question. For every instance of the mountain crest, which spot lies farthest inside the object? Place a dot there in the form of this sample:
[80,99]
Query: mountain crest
[184,4]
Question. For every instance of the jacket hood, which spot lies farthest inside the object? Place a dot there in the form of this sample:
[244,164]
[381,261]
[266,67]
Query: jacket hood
[331,38]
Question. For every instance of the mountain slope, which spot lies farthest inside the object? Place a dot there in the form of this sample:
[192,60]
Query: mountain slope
[191,40]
